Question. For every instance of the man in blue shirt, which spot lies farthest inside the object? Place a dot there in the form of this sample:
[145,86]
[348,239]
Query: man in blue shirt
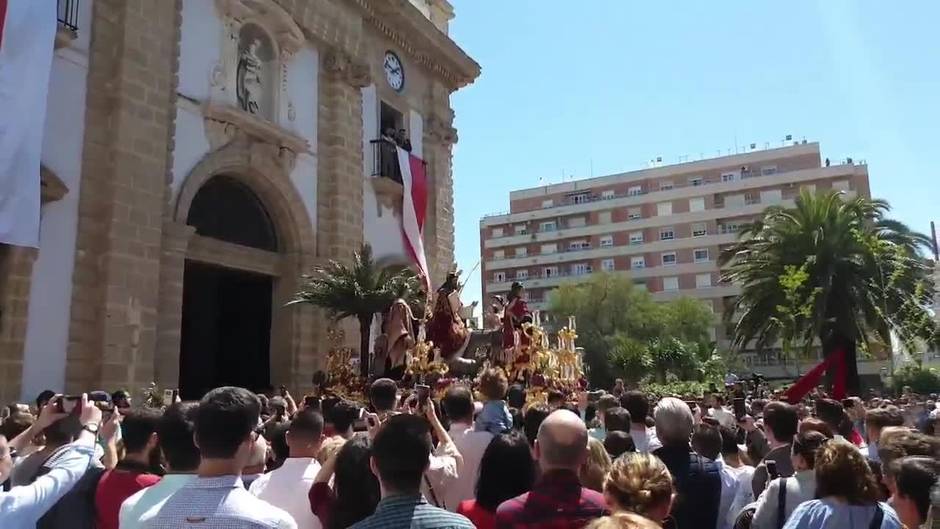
[22,506]
[400,456]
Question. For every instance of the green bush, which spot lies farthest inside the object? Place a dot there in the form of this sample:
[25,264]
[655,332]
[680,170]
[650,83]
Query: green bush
[921,379]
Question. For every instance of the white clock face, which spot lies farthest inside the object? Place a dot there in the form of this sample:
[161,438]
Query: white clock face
[394,72]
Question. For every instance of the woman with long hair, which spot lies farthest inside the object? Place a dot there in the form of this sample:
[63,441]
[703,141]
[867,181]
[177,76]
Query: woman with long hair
[595,467]
[847,491]
[639,493]
[355,491]
[506,471]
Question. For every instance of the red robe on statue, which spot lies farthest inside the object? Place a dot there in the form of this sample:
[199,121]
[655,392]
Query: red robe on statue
[515,313]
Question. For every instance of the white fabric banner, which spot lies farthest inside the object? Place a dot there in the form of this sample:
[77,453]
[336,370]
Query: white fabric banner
[27,38]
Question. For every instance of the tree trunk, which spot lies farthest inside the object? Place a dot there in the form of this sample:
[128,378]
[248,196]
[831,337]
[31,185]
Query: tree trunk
[365,342]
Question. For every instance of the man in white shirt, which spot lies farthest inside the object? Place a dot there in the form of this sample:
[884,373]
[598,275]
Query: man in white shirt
[227,423]
[719,413]
[643,436]
[175,431]
[458,407]
[288,486]
[706,441]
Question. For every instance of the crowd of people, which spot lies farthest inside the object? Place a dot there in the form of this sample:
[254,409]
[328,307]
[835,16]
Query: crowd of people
[503,459]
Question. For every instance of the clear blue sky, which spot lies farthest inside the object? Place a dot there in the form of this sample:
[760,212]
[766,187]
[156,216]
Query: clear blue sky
[568,85]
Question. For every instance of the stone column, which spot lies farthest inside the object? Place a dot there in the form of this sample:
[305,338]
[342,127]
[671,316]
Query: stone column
[126,162]
[176,237]
[16,268]
[439,139]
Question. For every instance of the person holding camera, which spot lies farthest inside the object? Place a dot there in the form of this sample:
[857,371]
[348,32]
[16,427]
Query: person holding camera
[22,506]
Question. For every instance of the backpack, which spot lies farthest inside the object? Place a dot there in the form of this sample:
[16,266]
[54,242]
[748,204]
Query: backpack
[76,509]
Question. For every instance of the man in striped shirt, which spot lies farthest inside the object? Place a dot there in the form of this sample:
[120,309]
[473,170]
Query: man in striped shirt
[400,457]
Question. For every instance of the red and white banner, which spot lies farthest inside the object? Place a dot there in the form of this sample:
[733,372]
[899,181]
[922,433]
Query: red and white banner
[414,208]
[27,37]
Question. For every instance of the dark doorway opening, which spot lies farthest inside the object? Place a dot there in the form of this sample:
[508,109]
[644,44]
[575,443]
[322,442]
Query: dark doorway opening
[226,330]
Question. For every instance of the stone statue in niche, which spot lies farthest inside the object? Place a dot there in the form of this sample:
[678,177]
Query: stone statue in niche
[250,78]
[256,71]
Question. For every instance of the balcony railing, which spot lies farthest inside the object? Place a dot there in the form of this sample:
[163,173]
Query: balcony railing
[385,160]
[68,14]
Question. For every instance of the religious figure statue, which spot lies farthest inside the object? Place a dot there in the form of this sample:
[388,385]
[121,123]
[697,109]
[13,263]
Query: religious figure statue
[445,328]
[248,80]
[515,314]
[397,338]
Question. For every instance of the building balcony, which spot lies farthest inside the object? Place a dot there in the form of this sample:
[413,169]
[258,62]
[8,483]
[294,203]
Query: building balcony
[678,191]
[539,279]
[67,17]
[385,160]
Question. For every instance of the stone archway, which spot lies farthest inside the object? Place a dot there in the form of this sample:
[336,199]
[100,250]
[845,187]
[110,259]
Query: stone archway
[261,170]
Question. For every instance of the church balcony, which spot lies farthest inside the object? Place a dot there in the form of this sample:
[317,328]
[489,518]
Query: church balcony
[67,17]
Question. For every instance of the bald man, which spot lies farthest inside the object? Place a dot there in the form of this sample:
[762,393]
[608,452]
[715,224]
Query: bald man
[557,501]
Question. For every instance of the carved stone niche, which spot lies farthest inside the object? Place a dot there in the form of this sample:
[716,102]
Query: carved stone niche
[266,13]
[388,193]
[225,123]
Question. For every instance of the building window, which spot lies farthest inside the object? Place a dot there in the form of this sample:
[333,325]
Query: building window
[634,213]
[606,241]
[636,237]
[729,177]
[635,191]
[522,275]
[550,225]
[580,198]
[607,265]
[697,204]
[550,271]
[579,244]
[548,203]
[808,187]
[496,233]
[666,234]
[640,284]
[522,251]
[603,217]
[669,258]
[580,269]
[637,263]
[840,185]
[549,248]
[665,186]
[699,229]
[670,283]
[768,170]
[695,182]
[499,254]
[499,277]
[520,229]
[703,280]
[664,209]
[729,228]
[700,255]
[607,194]
[751,198]
[771,196]
[576,222]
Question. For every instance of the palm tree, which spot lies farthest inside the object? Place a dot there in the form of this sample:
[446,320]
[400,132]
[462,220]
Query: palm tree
[864,277]
[359,290]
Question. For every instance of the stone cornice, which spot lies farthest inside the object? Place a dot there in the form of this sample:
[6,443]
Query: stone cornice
[255,127]
[404,25]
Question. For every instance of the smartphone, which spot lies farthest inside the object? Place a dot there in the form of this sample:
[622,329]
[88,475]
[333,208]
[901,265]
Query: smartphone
[176,395]
[168,397]
[68,403]
[424,393]
[772,469]
[848,403]
[740,410]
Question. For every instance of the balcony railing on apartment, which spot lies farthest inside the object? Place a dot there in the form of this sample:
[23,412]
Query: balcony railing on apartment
[68,14]
[586,198]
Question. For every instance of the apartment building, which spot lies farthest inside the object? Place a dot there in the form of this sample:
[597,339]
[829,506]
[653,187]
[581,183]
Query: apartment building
[664,227]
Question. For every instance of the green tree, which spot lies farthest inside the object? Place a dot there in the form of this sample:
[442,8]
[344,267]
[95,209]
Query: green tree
[850,275]
[625,333]
[359,290]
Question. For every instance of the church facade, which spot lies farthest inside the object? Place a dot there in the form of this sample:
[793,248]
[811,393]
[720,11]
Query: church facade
[199,156]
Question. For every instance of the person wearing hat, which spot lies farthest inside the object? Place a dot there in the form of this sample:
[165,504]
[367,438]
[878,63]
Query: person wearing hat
[445,328]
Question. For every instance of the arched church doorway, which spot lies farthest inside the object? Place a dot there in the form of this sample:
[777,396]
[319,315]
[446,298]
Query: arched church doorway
[225,334]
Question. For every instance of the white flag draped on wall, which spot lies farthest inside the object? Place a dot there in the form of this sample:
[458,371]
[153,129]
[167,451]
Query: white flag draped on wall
[27,38]
[414,210]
